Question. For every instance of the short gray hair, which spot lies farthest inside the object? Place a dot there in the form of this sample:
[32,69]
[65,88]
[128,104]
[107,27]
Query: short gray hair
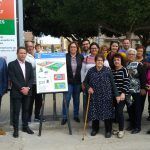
[131,50]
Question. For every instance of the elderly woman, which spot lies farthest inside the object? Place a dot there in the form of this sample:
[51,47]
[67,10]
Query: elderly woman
[89,62]
[98,79]
[137,79]
[140,57]
[74,65]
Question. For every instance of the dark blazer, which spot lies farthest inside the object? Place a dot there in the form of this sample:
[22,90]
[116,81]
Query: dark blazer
[77,78]
[16,76]
[3,76]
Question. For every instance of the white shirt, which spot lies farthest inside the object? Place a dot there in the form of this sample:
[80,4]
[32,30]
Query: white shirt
[31,59]
[23,68]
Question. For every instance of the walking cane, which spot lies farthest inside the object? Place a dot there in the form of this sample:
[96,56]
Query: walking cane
[85,121]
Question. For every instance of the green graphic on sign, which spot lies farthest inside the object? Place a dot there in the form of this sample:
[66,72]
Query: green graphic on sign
[61,85]
[55,66]
[7,27]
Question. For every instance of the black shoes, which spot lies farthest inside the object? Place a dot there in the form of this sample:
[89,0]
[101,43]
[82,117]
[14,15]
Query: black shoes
[76,119]
[148,118]
[37,119]
[29,119]
[107,134]
[27,130]
[15,134]
[94,132]
[24,129]
[148,132]
[64,121]
[129,128]
[135,131]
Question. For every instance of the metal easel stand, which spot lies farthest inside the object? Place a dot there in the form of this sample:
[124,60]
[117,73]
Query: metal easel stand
[54,113]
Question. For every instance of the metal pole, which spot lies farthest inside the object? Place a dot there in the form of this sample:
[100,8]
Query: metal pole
[99,35]
[20,23]
[54,107]
[20,39]
[41,114]
[68,117]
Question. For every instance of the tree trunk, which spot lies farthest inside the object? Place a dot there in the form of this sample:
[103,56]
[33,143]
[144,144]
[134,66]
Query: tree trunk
[144,39]
[128,35]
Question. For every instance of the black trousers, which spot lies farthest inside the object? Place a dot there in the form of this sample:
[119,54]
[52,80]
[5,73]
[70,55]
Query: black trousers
[143,98]
[135,111]
[37,98]
[119,114]
[0,102]
[107,122]
[17,103]
[149,105]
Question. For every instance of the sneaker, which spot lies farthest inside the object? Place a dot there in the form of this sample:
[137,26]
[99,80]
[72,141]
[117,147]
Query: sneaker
[2,132]
[115,132]
[121,134]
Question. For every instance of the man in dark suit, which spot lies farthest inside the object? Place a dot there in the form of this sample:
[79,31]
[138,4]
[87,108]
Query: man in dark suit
[3,83]
[21,75]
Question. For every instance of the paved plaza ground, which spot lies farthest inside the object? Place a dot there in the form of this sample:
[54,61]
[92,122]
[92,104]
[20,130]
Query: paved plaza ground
[56,137]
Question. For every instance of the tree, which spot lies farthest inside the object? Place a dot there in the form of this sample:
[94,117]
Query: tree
[80,19]
[59,18]
[127,17]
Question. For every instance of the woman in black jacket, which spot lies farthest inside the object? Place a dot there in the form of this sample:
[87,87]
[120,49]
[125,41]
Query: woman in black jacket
[137,79]
[74,65]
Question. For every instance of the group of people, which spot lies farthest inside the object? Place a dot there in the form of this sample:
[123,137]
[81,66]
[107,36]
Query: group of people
[112,78]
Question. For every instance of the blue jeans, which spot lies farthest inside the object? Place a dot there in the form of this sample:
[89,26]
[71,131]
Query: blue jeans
[74,91]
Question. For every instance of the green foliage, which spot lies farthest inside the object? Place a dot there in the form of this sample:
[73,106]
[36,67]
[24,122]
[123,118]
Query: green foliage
[80,19]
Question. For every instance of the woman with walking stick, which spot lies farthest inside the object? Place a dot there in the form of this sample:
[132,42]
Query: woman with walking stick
[100,85]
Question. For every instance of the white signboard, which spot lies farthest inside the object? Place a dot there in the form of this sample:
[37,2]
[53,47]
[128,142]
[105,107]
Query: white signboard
[51,74]
[8,34]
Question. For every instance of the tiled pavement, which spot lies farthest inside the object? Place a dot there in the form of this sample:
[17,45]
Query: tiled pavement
[56,137]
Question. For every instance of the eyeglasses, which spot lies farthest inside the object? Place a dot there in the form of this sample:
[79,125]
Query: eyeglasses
[94,48]
[131,54]
[85,44]
[73,47]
